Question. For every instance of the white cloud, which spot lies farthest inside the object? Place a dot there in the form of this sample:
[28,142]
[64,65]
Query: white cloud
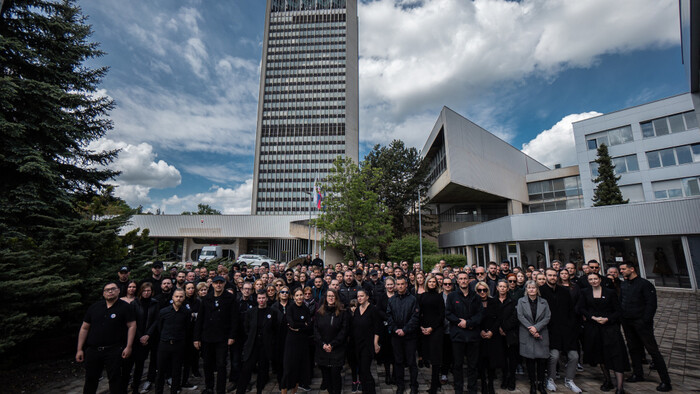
[452,52]
[556,145]
[140,171]
[219,173]
[228,200]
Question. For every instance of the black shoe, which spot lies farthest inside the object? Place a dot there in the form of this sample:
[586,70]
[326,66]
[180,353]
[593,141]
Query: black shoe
[414,390]
[188,386]
[540,388]
[664,387]
[323,385]
[354,387]
[607,386]
[511,386]
[620,391]
[426,363]
[484,388]
[634,379]
[359,387]
[420,363]
[533,388]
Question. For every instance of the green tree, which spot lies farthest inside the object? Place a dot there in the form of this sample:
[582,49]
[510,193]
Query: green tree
[408,247]
[353,214]
[607,192]
[52,250]
[204,209]
[403,174]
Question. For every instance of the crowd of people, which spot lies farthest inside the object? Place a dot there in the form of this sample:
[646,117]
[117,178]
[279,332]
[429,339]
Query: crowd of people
[493,322]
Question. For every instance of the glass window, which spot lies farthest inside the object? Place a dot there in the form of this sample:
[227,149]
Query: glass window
[558,184]
[676,122]
[534,188]
[653,158]
[546,186]
[594,169]
[668,158]
[592,144]
[684,155]
[647,130]
[696,152]
[660,126]
[572,181]
[660,194]
[691,121]
[691,187]
[632,164]
[620,165]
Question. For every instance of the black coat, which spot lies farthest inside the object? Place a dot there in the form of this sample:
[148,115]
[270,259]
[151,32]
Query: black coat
[348,292]
[402,313]
[271,325]
[464,307]
[491,350]
[146,317]
[332,330]
[509,322]
[375,289]
[563,328]
[432,314]
[218,319]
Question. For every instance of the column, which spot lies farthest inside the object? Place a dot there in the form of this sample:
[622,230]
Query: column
[470,255]
[493,253]
[590,249]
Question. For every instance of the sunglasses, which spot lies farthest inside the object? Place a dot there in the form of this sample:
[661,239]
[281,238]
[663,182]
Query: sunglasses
[481,291]
[284,292]
[481,273]
[511,281]
[447,283]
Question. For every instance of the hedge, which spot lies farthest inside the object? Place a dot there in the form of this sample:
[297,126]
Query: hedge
[430,260]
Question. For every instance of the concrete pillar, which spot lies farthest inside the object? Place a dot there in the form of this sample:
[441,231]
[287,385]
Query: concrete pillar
[590,249]
[514,207]
[185,249]
[493,253]
[470,255]
[547,262]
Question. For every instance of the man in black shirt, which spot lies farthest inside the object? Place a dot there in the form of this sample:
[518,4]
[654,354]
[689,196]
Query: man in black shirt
[105,338]
[156,277]
[317,262]
[464,312]
[165,297]
[215,330]
[638,304]
[171,328]
[123,281]
[246,301]
[402,319]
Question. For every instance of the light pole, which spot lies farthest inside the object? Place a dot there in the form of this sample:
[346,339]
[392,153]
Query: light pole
[308,246]
[420,233]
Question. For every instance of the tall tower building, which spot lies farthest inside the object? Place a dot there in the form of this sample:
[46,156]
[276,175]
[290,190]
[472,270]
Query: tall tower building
[308,104]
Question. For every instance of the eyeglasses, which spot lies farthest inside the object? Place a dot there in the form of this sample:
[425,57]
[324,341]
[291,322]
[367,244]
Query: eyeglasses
[284,292]
[447,283]
[511,281]
[482,290]
[111,289]
[595,267]
[481,273]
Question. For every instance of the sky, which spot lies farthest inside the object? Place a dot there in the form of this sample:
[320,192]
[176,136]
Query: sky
[185,75]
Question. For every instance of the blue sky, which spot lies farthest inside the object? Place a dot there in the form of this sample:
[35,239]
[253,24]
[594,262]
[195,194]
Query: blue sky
[185,78]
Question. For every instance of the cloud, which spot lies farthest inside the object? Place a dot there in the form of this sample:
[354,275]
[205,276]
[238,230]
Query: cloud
[453,52]
[219,173]
[228,200]
[556,145]
[140,171]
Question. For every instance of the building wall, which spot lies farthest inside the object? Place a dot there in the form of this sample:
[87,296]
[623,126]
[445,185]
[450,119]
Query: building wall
[639,146]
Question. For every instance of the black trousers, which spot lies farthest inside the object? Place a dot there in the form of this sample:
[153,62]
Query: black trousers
[446,354]
[214,355]
[153,364]
[109,359]
[257,358]
[236,350]
[331,375]
[511,363]
[136,361]
[364,356]
[170,358]
[191,361]
[405,356]
[535,369]
[460,350]
[640,336]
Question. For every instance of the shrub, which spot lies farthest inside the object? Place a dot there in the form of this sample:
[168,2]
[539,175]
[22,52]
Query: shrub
[454,260]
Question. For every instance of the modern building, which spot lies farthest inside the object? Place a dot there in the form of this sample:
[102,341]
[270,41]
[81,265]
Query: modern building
[308,105]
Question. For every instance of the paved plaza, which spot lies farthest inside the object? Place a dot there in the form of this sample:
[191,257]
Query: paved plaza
[677,324]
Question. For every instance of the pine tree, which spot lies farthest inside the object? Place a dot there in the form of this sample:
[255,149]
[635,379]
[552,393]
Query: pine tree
[607,192]
[51,253]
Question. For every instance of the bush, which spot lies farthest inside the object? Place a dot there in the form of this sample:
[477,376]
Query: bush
[408,246]
[453,260]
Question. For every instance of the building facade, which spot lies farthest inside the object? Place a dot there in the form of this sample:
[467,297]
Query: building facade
[308,105]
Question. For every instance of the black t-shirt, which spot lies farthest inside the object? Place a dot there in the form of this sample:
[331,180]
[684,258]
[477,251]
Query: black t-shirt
[108,325]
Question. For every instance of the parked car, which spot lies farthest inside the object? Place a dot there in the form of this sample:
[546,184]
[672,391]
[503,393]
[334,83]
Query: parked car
[254,260]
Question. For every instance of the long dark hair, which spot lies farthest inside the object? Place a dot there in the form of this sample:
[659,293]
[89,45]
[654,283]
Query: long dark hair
[324,305]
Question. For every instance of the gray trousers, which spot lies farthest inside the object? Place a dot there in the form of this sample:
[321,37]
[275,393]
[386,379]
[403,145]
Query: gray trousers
[572,358]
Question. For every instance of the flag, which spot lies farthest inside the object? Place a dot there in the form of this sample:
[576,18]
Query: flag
[318,196]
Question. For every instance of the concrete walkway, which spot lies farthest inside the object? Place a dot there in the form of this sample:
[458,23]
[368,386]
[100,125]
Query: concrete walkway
[677,326]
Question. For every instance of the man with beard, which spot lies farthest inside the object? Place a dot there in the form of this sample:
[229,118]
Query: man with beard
[349,288]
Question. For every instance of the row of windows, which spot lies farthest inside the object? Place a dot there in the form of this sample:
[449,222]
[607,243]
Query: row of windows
[311,34]
[438,163]
[555,188]
[304,72]
[325,39]
[305,80]
[302,105]
[303,150]
[292,171]
[313,129]
[295,167]
[295,51]
[653,128]
[321,174]
[674,156]
[623,164]
[282,211]
[569,203]
[318,26]
[290,189]
[315,157]
[306,112]
[291,91]
[306,64]
[338,99]
[307,57]
[676,188]
[338,15]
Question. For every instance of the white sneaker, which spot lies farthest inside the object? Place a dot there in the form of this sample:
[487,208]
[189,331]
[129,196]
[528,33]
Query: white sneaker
[572,386]
[146,387]
[550,385]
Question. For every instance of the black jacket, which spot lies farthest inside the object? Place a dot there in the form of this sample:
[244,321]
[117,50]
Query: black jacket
[146,317]
[218,318]
[348,292]
[272,323]
[332,330]
[638,300]
[563,332]
[402,312]
[464,307]
[509,321]
[375,289]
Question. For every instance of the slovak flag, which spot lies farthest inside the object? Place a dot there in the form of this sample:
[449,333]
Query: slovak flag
[318,196]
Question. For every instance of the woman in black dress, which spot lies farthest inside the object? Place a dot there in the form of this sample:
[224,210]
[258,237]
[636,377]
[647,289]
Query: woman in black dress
[296,356]
[491,346]
[508,332]
[431,319]
[365,325]
[146,314]
[280,305]
[603,344]
[330,334]
[191,361]
[386,351]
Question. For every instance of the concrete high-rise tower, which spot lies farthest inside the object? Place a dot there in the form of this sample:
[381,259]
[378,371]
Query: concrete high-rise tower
[308,104]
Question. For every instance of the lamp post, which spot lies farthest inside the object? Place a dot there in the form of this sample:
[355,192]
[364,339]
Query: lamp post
[420,233]
[308,246]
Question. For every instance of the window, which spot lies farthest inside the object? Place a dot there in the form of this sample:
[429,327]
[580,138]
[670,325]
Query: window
[623,164]
[691,186]
[611,137]
[674,156]
[667,189]
[669,124]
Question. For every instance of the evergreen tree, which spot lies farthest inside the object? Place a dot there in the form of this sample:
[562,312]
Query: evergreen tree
[607,192]
[203,209]
[52,250]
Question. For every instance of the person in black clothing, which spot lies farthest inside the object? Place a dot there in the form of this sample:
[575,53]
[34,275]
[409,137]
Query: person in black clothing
[191,357]
[563,330]
[289,280]
[260,323]
[165,297]
[491,346]
[603,342]
[330,334]
[155,278]
[215,330]
[432,321]
[296,362]
[281,306]
[447,287]
[365,325]
[146,315]
[246,301]
[349,288]
[386,352]
[508,333]
[318,291]
[171,328]
[638,303]
[317,262]
[105,338]
[123,281]
[375,286]
[402,316]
